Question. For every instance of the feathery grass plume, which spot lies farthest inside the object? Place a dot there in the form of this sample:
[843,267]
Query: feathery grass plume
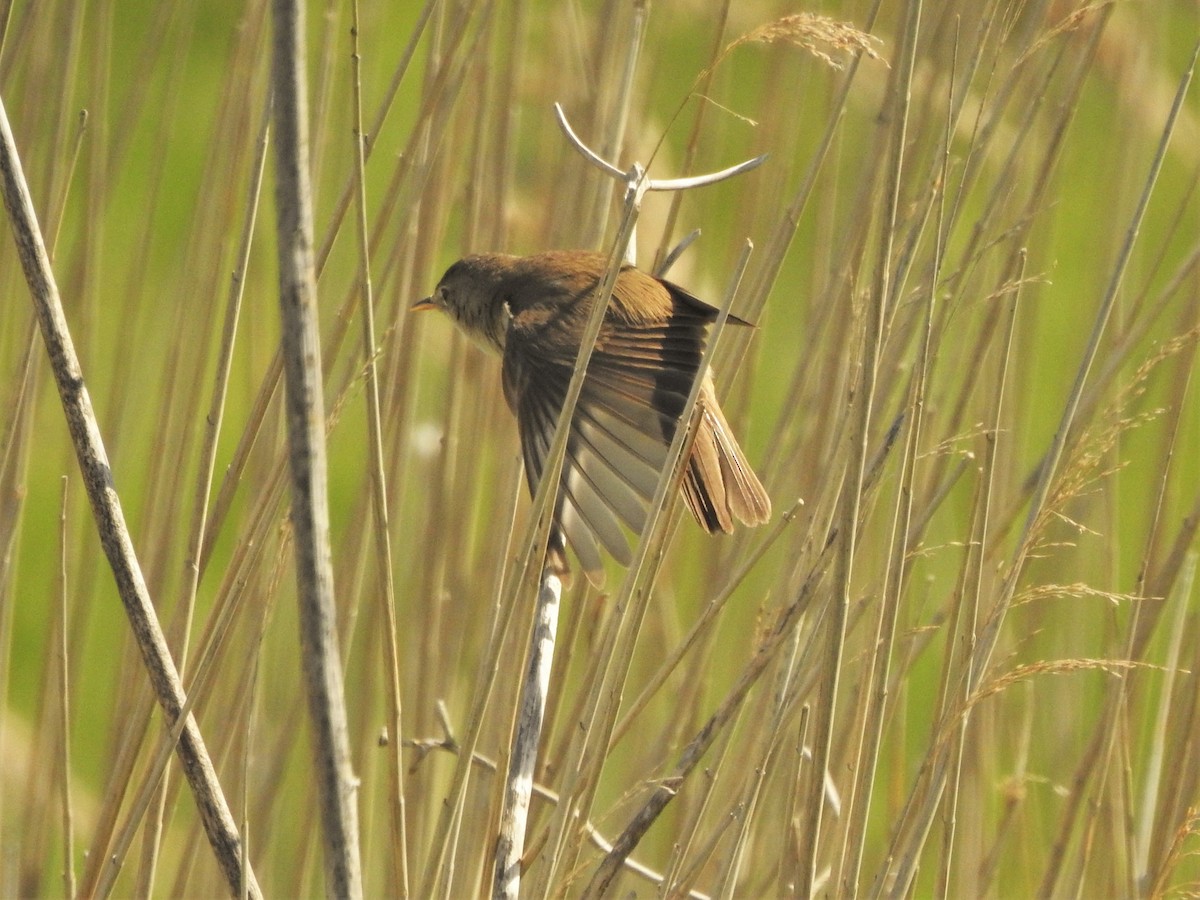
[1187,830]
[1072,21]
[1086,466]
[1115,667]
[1078,590]
[819,35]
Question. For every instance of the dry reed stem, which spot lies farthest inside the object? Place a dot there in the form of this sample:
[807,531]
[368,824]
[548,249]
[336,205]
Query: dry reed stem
[634,596]
[862,401]
[301,353]
[110,520]
[180,628]
[379,505]
[522,764]
[1031,151]
[64,688]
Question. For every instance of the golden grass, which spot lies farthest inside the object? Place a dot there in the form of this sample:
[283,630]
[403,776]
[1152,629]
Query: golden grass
[963,665]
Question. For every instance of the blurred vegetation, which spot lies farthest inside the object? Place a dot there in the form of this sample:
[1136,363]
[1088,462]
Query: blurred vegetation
[1015,682]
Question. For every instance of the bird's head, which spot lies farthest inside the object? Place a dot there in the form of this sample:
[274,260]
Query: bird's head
[472,294]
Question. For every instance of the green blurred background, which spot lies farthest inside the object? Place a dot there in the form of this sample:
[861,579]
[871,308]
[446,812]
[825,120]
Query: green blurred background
[1063,113]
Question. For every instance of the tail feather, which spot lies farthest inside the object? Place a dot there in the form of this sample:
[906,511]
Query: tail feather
[704,483]
[719,485]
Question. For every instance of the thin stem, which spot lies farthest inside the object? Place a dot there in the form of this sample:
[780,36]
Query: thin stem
[379,504]
[64,686]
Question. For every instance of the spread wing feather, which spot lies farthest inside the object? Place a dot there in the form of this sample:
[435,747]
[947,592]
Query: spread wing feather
[615,450]
[637,384]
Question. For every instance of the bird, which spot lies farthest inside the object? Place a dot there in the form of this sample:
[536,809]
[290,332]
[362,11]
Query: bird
[532,311]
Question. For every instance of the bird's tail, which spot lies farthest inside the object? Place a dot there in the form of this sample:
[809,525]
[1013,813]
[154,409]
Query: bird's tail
[719,485]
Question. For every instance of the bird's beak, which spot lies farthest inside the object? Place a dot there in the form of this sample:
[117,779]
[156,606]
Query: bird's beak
[420,305]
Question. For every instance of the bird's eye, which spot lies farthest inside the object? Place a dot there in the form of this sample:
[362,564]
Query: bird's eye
[443,295]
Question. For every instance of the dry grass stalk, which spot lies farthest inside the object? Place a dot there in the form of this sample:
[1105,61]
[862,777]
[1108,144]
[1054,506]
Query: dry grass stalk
[997,234]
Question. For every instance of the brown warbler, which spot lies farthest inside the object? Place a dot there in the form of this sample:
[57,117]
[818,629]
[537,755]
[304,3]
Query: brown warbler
[532,310]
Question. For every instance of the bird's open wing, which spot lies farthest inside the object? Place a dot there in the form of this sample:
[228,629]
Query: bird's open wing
[636,386]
